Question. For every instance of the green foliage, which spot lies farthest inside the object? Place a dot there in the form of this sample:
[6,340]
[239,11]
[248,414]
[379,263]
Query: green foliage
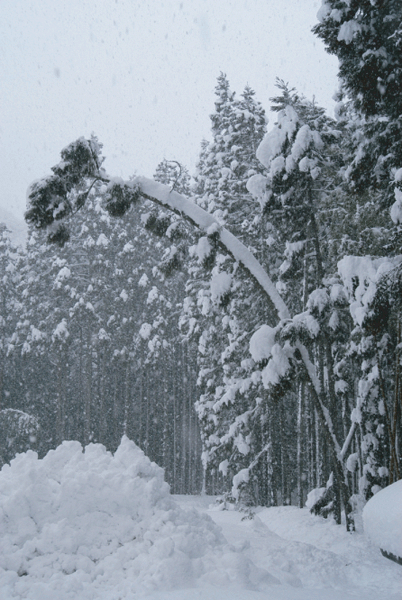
[80,159]
[366,36]
[49,198]
[48,201]
[158,223]
[120,197]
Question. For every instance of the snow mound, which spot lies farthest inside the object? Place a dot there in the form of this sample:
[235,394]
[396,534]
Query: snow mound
[261,343]
[88,524]
[382,519]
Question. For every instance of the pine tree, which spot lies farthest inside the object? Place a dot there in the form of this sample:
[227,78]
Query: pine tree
[367,39]
[302,158]
[223,305]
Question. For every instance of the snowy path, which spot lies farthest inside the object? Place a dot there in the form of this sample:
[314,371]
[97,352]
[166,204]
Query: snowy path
[313,559]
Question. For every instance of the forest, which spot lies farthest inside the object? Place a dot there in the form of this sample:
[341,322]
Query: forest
[241,325]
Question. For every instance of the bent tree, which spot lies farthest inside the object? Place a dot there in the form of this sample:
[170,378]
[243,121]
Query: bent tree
[55,199]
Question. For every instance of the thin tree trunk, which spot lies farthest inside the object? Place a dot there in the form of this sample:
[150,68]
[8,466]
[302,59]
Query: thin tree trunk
[299,447]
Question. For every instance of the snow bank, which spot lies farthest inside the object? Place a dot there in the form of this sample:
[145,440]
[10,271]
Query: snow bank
[382,519]
[86,524]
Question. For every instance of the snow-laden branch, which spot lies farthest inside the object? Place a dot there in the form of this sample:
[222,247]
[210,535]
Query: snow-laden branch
[164,196]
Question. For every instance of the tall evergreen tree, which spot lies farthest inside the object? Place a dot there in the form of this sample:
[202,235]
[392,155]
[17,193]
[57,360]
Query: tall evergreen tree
[367,39]
[301,157]
[223,306]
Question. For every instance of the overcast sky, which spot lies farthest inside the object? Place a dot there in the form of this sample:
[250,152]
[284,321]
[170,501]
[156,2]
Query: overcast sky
[140,75]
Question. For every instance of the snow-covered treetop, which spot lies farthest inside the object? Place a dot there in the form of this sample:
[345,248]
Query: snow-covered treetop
[366,36]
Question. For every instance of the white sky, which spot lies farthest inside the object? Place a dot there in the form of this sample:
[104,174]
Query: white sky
[140,75]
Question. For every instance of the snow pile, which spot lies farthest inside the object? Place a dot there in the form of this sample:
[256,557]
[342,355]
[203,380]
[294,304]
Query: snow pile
[84,525]
[382,518]
[261,343]
[220,286]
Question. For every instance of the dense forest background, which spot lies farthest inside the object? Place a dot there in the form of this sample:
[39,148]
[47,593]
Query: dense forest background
[131,320]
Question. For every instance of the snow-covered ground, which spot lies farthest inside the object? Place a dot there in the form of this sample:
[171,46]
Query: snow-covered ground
[93,526]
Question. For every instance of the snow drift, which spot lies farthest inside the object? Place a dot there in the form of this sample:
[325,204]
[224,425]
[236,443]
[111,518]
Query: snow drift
[88,524]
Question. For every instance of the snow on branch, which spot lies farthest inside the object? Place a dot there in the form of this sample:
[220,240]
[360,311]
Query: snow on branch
[53,199]
[164,196]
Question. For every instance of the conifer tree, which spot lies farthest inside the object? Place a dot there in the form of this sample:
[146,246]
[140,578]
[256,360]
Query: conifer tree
[223,304]
[301,159]
[366,38]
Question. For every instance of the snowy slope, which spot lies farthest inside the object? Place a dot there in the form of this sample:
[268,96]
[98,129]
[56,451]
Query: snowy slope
[93,526]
